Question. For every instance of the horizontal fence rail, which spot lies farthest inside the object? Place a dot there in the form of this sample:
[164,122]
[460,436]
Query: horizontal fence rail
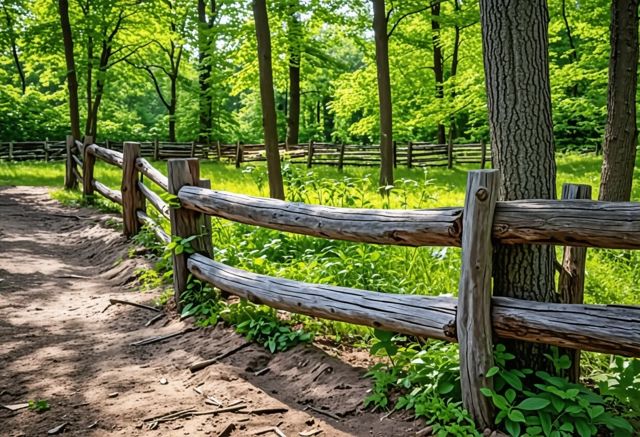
[567,222]
[597,328]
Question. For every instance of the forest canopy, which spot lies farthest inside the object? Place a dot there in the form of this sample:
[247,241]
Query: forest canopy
[142,64]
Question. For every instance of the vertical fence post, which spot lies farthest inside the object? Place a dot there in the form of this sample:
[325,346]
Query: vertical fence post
[450,150]
[310,155]
[70,180]
[10,150]
[238,154]
[571,281]
[156,151]
[219,150]
[132,198]
[184,222]
[473,318]
[483,154]
[193,149]
[46,150]
[88,163]
[341,158]
[410,154]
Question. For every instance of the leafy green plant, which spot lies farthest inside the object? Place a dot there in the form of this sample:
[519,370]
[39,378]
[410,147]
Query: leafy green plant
[39,406]
[202,302]
[262,325]
[622,383]
[552,406]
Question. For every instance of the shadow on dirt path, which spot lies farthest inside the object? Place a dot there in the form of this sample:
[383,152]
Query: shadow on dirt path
[58,269]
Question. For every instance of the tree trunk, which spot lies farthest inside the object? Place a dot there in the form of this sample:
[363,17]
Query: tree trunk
[269,116]
[72,79]
[573,54]
[621,133]
[515,47]
[14,50]
[384,92]
[205,69]
[438,63]
[294,36]
[172,109]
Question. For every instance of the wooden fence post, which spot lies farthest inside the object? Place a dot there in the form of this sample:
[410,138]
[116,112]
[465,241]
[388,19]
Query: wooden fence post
[410,154]
[184,222]
[473,318]
[193,149]
[156,150]
[70,180]
[310,155]
[341,158]
[88,163]
[132,199]
[239,153]
[450,150]
[395,154]
[10,150]
[572,275]
[219,150]
[483,154]
[46,149]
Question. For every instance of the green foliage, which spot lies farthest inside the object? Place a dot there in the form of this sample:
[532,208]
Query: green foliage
[261,324]
[202,302]
[541,404]
[39,406]
[423,378]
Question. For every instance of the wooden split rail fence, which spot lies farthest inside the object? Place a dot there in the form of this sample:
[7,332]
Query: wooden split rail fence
[411,154]
[474,319]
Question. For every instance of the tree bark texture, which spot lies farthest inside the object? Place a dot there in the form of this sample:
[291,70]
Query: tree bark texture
[269,117]
[621,132]
[515,46]
[384,92]
[72,78]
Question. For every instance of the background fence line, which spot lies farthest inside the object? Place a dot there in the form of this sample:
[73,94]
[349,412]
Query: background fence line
[410,154]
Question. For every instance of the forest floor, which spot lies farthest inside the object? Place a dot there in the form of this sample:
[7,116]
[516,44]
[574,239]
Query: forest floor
[58,269]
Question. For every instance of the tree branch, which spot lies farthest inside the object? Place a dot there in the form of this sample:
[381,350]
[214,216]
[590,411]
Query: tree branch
[403,16]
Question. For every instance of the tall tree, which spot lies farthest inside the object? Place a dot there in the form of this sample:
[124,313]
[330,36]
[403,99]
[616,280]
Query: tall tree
[515,44]
[384,92]
[621,131]
[294,36]
[269,117]
[14,46]
[72,78]
[438,62]
[205,24]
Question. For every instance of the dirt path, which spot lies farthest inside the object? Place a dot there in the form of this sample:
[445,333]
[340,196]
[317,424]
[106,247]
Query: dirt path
[58,269]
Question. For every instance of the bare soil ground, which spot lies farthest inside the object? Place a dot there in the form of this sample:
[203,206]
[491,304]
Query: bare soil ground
[58,269]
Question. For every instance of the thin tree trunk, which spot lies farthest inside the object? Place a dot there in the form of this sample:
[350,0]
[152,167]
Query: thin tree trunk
[89,85]
[455,59]
[72,79]
[384,92]
[515,46]
[172,109]
[204,30]
[14,50]
[621,132]
[573,54]
[294,36]
[438,63]
[269,116]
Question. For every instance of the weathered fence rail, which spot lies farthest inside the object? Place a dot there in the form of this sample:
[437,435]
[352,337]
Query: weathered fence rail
[473,319]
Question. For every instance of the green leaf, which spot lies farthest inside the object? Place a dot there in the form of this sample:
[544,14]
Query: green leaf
[595,411]
[583,428]
[533,404]
[492,371]
[545,422]
[486,391]
[510,394]
[512,380]
[516,416]
[512,428]
[567,427]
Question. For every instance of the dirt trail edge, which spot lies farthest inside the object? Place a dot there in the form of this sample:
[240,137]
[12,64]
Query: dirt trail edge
[58,269]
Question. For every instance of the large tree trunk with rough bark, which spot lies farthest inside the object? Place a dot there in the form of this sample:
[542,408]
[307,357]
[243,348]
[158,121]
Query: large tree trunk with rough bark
[269,117]
[72,78]
[515,45]
[384,92]
[621,132]
[438,63]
